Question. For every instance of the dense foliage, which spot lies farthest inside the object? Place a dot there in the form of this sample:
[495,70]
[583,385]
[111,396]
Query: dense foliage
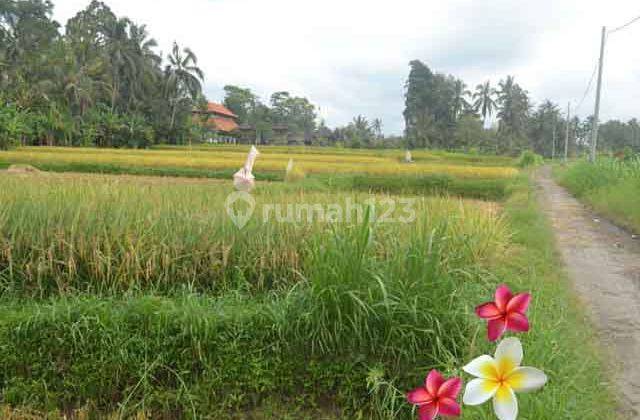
[441,113]
[102,83]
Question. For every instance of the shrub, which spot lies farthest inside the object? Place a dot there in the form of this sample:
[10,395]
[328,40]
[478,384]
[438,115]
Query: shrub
[13,126]
[529,158]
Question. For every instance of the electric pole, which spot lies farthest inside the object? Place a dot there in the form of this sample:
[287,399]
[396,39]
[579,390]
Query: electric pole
[566,134]
[553,144]
[596,113]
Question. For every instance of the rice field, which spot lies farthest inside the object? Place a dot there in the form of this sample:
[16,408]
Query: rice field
[138,296]
[272,160]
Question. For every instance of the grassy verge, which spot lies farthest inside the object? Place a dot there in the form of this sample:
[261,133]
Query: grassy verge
[611,187]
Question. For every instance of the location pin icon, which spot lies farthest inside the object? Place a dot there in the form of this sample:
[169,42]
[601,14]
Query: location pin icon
[238,216]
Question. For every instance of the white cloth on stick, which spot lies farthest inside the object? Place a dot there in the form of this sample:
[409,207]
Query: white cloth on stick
[244,180]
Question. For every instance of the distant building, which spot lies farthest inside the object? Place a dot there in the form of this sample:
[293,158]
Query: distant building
[220,122]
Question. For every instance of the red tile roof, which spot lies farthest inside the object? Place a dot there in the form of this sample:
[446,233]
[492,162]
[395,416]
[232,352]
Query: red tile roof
[223,124]
[220,110]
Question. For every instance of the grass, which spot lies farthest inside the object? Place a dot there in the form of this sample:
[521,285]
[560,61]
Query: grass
[610,186]
[135,296]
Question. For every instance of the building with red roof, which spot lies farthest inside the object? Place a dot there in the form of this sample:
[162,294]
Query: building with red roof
[219,119]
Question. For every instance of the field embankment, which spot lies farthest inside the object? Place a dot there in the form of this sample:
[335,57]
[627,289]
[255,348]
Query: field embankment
[610,186]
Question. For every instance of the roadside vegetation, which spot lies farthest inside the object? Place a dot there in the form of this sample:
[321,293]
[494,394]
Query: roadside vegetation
[611,186]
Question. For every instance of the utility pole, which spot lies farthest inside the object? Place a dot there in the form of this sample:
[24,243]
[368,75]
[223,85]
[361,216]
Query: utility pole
[553,144]
[566,134]
[596,113]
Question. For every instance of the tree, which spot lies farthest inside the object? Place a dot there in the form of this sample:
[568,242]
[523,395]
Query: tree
[513,112]
[460,103]
[483,100]
[240,101]
[182,80]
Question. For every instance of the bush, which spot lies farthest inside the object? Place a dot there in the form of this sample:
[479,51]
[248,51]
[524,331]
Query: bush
[13,126]
[529,158]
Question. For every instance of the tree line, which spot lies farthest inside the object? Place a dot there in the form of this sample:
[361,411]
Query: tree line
[299,117]
[102,83]
[440,112]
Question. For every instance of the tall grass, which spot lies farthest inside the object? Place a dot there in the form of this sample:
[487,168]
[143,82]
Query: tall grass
[610,186]
[104,235]
[128,296]
[349,299]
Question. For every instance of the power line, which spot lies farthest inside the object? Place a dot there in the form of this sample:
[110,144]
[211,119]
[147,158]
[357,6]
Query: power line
[619,28]
[586,92]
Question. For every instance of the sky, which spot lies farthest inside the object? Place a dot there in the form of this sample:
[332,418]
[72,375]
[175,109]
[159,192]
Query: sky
[350,57]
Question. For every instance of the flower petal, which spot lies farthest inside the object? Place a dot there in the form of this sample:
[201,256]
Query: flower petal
[478,391]
[496,328]
[419,396]
[488,310]
[508,355]
[450,388]
[433,382]
[428,411]
[517,322]
[448,407]
[503,296]
[483,367]
[525,379]
[519,303]
[505,404]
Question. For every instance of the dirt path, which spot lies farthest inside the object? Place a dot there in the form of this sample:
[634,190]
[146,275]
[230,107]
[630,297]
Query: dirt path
[603,262]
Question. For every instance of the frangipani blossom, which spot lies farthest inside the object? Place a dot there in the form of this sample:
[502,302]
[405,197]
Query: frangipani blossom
[244,180]
[436,397]
[500,378]
[506,313]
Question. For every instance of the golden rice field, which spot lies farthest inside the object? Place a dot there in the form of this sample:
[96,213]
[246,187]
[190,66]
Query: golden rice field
[272,159]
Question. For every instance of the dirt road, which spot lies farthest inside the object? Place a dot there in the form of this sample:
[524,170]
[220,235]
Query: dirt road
[603,262]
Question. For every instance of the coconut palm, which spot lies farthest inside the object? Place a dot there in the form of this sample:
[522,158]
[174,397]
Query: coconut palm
[460,94]
[183,78]
[484,102]
[376,126]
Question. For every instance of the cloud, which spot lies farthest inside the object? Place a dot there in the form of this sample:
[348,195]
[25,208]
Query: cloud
[351,57]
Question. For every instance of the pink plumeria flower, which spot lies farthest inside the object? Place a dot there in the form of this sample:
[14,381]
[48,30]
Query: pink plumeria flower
[506,313]
[500,378]
[436,397]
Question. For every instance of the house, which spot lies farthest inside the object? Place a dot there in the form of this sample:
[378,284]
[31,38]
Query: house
[220,123]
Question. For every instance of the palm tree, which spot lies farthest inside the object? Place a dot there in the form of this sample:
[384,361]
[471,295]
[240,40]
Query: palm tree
[183,78]
[483,100]
[460,94]
[513,106]
[124,63]
[147,65]
[376,125]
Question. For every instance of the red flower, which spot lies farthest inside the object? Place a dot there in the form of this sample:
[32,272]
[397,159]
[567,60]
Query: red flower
[506,313]
[437,397]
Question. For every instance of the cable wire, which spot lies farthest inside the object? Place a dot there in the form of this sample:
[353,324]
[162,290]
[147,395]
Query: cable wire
[619,28]
[586,92]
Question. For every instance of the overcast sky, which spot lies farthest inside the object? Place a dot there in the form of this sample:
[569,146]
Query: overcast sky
[351,57]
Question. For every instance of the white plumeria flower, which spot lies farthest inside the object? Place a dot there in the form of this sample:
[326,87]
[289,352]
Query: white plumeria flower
[501,377]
